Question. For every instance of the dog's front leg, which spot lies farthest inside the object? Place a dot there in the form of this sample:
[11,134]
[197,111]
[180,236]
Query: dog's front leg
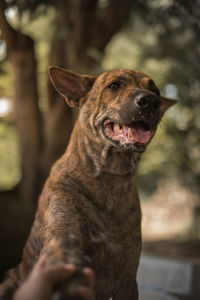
[128,291]
[67,250]
[63,244]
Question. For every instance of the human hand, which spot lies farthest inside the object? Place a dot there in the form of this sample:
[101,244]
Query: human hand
[41,281]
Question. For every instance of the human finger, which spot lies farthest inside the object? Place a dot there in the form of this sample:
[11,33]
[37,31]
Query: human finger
[41,261]
[89,276]
[55,273]
[86,293]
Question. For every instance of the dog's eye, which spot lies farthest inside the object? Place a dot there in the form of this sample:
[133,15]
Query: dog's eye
[115,85]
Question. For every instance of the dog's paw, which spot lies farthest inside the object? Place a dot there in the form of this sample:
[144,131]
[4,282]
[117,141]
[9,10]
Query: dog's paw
[68,251]
[69,289]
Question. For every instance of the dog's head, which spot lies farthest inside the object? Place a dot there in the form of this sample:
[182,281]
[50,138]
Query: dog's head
[123,107]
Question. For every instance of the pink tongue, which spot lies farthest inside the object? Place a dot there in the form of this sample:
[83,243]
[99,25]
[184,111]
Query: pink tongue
[140,135]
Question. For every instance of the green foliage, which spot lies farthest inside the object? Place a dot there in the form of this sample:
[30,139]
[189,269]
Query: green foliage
[6,79]
[9,156]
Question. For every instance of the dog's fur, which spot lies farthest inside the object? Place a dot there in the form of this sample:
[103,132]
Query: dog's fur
[89,205]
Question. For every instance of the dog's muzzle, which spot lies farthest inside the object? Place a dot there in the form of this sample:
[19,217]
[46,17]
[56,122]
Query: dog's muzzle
[138,119]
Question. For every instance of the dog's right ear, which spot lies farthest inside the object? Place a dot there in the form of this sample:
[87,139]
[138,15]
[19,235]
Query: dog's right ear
[70,85]
[165,104]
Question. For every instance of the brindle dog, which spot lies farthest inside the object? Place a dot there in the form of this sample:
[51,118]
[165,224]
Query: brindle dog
[89,205]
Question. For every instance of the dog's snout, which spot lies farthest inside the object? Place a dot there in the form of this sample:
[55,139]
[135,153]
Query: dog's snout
[147,101]
[142,101]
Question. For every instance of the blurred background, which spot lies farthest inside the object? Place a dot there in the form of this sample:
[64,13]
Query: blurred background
[160,38]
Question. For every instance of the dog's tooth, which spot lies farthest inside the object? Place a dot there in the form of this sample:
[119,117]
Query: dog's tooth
[117,127]
[129,133]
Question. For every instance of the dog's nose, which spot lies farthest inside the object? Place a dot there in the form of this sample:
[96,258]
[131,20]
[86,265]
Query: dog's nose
[147,101]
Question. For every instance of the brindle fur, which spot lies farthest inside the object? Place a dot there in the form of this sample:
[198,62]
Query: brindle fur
[90,194]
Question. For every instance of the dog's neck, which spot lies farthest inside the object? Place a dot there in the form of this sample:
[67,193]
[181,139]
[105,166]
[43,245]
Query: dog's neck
[99,158]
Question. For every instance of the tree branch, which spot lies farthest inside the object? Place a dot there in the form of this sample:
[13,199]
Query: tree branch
[8,33]
[115,14]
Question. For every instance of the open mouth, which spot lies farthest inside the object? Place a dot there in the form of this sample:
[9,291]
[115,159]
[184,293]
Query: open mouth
[137,134]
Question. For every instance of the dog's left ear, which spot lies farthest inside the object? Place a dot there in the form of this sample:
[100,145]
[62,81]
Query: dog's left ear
[70,85]
[165,104]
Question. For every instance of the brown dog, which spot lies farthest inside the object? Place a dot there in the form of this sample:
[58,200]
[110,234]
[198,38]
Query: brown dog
[89,205]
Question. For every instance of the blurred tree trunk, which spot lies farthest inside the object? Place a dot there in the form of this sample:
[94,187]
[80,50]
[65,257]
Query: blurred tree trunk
[26,111]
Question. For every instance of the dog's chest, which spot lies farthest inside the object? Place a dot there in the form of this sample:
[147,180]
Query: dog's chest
[115,229]
[114,250]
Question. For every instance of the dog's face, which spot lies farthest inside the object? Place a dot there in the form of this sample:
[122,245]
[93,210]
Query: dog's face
[121,108]
[129,108]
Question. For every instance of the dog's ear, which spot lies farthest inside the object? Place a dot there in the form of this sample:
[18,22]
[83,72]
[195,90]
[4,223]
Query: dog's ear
[70,85]
[165,104]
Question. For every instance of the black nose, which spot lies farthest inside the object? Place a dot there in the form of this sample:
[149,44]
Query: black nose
[147,101]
